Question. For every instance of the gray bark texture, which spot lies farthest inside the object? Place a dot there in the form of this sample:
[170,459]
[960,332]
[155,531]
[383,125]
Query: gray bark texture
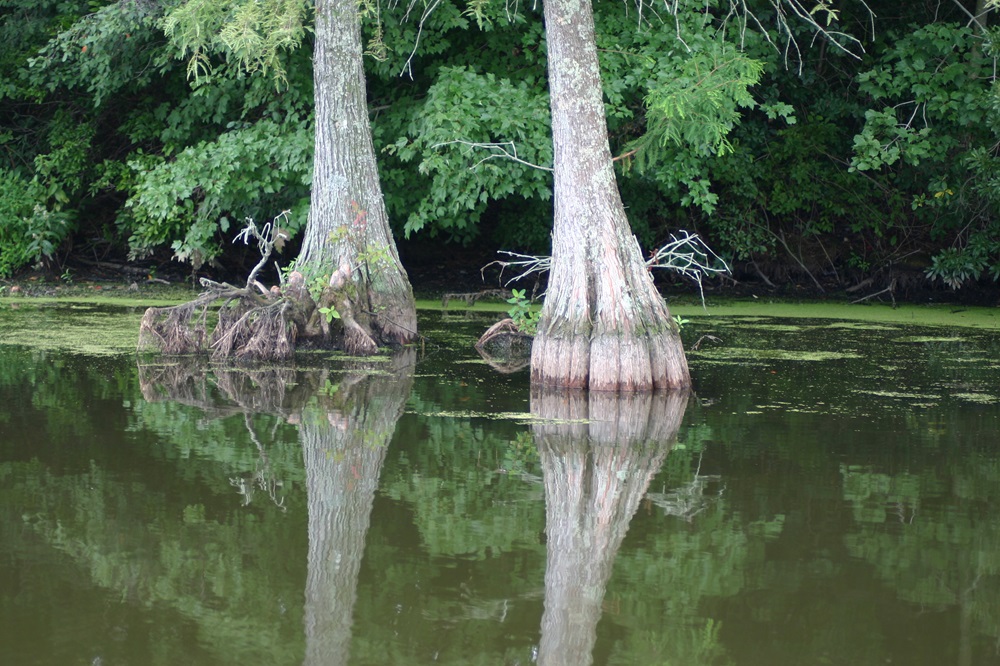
[348,228]
[604,326]
[344,440]
[598,452]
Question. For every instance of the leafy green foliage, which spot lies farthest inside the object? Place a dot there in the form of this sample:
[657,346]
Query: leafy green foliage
[690,115]
[935,121]
[930,82]
[30,233]
[116,135]
[955,266]
[251,35]
[466,136]
[524,316]
[192,197]
[104,53]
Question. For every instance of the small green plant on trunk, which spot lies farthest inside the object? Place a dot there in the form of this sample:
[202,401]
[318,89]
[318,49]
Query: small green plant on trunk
[521,312]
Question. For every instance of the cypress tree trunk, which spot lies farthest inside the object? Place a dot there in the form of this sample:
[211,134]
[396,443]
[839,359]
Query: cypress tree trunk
[348,228]
[595,473]
[604,326]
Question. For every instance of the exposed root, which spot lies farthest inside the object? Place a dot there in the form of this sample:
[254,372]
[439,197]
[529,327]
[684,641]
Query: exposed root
[248,327]
[255,333]
[256,324]
[180,329]
[356,341]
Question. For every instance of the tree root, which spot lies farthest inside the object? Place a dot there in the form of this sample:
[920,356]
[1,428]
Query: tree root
[248,327]
[253,324]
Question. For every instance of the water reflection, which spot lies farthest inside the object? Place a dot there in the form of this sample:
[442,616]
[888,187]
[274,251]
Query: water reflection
[932,545]
[598,453]
[344,438]
[345,421]
[840,511]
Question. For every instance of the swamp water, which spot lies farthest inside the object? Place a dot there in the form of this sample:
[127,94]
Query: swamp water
[830,495]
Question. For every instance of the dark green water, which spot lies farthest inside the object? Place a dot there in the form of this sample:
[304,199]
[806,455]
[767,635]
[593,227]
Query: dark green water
[831,495]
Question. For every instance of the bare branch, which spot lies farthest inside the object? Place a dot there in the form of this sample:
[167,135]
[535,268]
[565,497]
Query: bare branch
[529,264]
[685,253]
[428,10]
[689,255]
[498,150]
[785,11]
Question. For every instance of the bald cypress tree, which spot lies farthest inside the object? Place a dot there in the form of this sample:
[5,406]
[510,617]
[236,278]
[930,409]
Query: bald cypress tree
[604,325]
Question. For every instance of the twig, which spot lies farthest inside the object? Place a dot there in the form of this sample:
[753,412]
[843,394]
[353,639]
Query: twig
[696,345]
[428,9]
[494,146]
[798,260]
[761,275]
[689,255]
[531,264]
[891,289]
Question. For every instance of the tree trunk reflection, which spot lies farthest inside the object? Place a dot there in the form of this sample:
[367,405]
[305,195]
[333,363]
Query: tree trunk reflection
[344,440]
[598,453]
[345,422]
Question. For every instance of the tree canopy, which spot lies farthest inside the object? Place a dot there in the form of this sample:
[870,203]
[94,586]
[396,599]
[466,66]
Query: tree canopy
[810,164]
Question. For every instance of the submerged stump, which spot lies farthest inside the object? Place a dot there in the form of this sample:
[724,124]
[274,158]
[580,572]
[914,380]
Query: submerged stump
[505,347]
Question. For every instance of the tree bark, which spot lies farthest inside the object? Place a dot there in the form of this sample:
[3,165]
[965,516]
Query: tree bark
[598,454]
[348,228]
[603,326]
[982,16]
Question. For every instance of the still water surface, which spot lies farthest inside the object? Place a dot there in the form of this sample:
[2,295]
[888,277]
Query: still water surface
[830,495]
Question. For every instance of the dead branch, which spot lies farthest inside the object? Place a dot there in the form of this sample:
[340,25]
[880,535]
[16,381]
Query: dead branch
[890,289]
[525,263]
[470,298]
[686,253]
[498,149]
[711,338]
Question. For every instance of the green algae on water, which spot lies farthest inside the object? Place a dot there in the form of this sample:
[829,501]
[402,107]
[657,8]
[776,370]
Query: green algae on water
[903,315]
[929,338]
[91,329]
[743,353]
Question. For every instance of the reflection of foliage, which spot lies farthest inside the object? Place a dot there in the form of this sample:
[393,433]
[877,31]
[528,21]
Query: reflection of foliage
[927,536]
[521,455]
[152,549]
[692,644]
[874,496]
[661,586]
[491,508]
[476,471]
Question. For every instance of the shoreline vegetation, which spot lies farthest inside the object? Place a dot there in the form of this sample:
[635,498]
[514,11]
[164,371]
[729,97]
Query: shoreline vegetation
[830,306]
